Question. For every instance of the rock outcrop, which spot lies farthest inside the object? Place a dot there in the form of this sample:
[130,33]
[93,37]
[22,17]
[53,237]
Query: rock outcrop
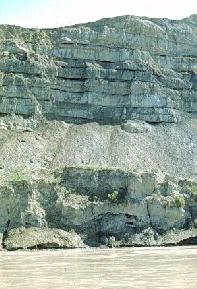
[109,207]
[98,134]
[114,69]
[41,238]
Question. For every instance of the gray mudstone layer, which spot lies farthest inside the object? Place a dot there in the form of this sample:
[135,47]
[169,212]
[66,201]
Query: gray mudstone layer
[111,70]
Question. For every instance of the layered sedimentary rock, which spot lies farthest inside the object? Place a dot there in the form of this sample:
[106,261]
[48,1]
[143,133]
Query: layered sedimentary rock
[98,134]
[111,70]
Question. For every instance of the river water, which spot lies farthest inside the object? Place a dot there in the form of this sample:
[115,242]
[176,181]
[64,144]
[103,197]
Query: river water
[139,268]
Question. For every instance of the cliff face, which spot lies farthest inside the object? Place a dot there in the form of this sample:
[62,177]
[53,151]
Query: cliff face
[98,134]
[106,207]
[111,70]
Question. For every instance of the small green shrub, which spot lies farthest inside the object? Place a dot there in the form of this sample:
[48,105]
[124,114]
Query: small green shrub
[179,201]
[113,196]
[17,177]
[192,188]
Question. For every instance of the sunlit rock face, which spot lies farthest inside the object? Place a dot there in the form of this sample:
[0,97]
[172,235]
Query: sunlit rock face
[98,134]
[114,69]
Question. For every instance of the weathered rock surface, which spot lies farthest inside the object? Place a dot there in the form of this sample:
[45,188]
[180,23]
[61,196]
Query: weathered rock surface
[136,126]
[114,69]
[37,238]
[168,148]
[109,207]
[94,118]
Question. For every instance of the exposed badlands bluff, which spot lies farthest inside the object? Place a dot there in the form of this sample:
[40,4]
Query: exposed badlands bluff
[98,134]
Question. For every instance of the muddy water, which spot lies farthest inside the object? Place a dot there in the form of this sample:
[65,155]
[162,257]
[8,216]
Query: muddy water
[139,268]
